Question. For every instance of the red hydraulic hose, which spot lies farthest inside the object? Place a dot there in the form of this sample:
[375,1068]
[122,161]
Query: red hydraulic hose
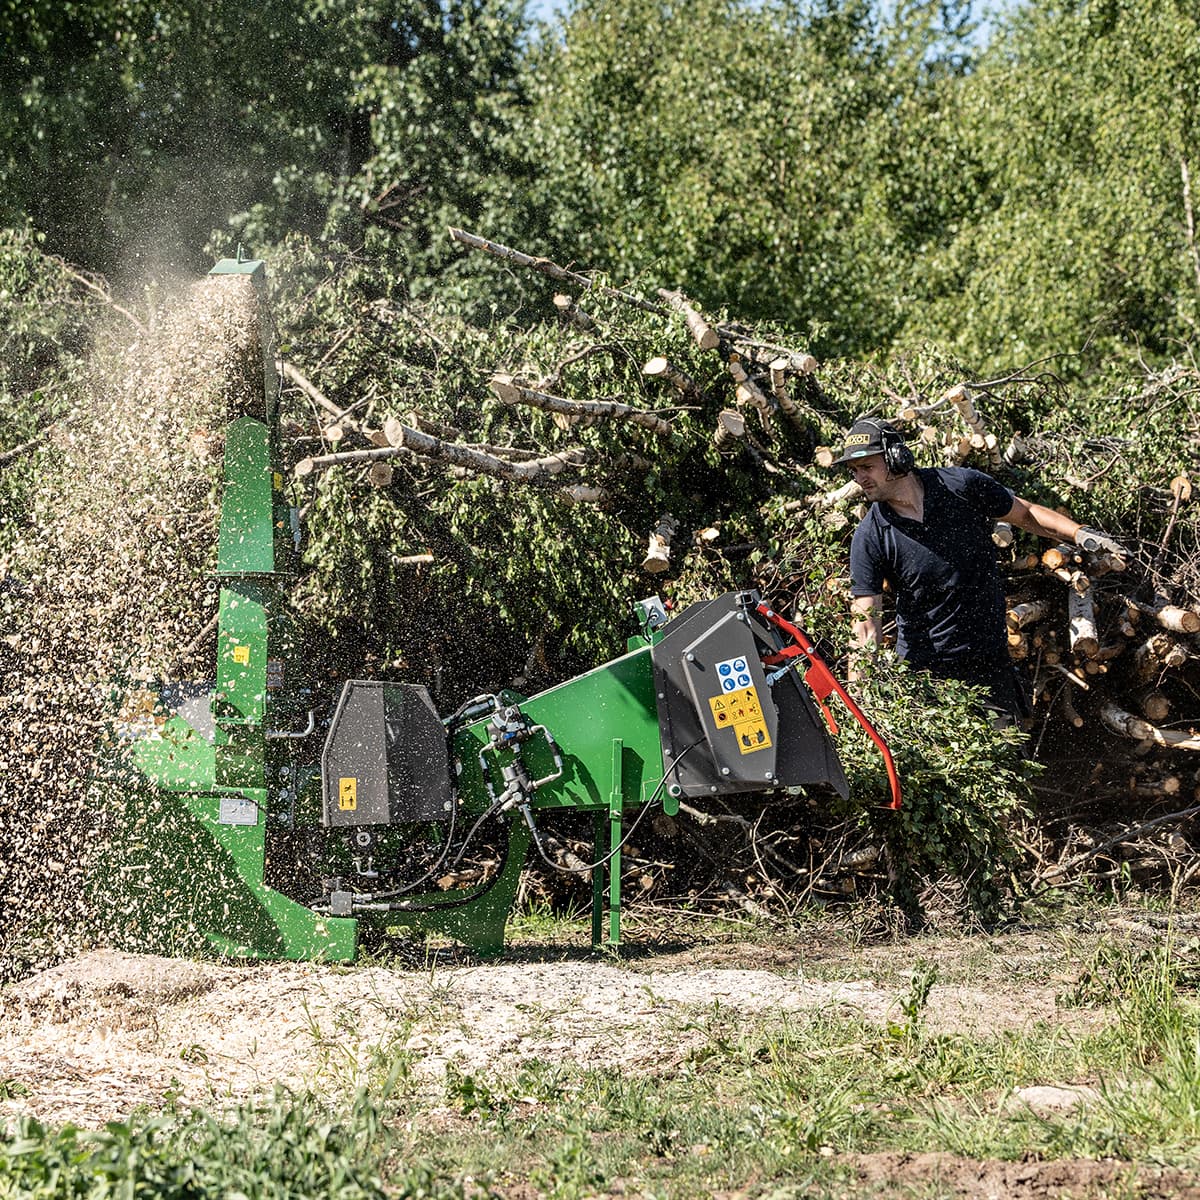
[820,679]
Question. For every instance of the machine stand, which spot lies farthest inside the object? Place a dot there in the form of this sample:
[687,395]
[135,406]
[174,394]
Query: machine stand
[616,810]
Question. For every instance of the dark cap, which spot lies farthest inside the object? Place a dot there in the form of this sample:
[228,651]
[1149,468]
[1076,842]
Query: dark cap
[864,439]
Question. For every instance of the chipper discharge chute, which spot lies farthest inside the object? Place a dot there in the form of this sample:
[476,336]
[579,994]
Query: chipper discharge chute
[269,821]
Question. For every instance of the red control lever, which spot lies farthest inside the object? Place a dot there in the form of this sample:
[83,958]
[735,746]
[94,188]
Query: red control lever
[822,683]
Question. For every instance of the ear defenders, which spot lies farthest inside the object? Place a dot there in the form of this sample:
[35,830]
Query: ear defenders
[897,457]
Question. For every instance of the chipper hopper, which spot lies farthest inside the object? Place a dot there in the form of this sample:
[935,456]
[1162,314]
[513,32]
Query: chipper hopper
[272,821]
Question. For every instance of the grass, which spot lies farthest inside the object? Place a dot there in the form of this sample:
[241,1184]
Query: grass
[771,1106]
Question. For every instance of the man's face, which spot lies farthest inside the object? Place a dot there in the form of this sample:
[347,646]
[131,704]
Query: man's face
[871,474]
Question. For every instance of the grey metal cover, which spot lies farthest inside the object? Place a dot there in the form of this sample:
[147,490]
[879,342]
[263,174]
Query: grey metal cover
[771,737]
[385,759]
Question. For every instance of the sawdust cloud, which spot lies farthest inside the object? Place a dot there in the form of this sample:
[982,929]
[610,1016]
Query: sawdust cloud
[105,591]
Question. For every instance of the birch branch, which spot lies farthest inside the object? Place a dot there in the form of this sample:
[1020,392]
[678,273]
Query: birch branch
[572,313]
[412,441]
[681,381]
[748,392]
[23,448]
[658,552]
[704,335]
[1169,616]
[104,295]
[1127,725]
[731,426]
[587,412]
[552,269]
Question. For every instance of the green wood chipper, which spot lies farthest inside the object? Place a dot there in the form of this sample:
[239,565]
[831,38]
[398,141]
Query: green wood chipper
[264,820]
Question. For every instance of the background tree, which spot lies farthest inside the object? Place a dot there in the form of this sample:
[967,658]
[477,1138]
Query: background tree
[1058,180]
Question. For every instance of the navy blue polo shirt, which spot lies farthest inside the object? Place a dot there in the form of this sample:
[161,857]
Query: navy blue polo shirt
[942,570]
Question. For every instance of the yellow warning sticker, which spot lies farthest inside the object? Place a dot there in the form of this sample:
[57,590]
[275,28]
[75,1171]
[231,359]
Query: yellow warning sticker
[347,793]
[752,736]
[741,712]
[241,655]
[277,480]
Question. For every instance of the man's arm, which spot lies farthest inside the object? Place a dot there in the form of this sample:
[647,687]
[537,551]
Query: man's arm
[1045,522]
[865,629]
[1040,520]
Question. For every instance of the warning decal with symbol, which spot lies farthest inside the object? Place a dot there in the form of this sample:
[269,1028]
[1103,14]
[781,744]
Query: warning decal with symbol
[741,712]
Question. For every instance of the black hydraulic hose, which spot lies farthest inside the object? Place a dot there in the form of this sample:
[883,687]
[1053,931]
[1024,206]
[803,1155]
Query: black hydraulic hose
[455,902]
[408,887]
[537,841]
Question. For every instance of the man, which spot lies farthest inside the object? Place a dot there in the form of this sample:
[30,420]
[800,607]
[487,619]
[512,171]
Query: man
[928,534]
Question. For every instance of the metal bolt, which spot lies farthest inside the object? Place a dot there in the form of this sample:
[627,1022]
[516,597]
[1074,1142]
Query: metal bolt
[675,790]
[712,787]
[691,657]
[741,616]
[724,770]
[662,695]
[768,775]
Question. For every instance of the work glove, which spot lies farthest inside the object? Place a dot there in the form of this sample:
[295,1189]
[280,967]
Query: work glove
[1096,541]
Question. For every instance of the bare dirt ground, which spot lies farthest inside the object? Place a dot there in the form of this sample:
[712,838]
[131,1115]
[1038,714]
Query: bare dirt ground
[97,1036]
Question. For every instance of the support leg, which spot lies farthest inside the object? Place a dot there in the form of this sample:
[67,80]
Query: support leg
[615,810]
[599,829]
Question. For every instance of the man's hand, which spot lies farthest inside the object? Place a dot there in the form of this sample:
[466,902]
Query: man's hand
[1096,541]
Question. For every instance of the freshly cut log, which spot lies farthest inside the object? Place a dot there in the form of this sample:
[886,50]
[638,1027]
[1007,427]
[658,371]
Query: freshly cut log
[748,392]
[1156,655]
[658,552]
[412,441]
[662,368]
[572,313]
[1063,556]
[731,426]
[980,439]
[511,391]
[1155,705]
[1127,725]
[546,267]
[1081,623]
[1015,452]
[1170,616]
[704,335]
[1027,613]
[848,491]
[1068,710]
[779,389]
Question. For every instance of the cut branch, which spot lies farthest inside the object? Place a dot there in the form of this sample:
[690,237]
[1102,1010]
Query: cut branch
[662,368]
[704,335]
[23,448]
[779,389]
[748,392]
[1127,725]
[1169,616]
[572,313]
[1081,614]
[731,426]
[658,552]
[509,391]
[414,442]
[546,267]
